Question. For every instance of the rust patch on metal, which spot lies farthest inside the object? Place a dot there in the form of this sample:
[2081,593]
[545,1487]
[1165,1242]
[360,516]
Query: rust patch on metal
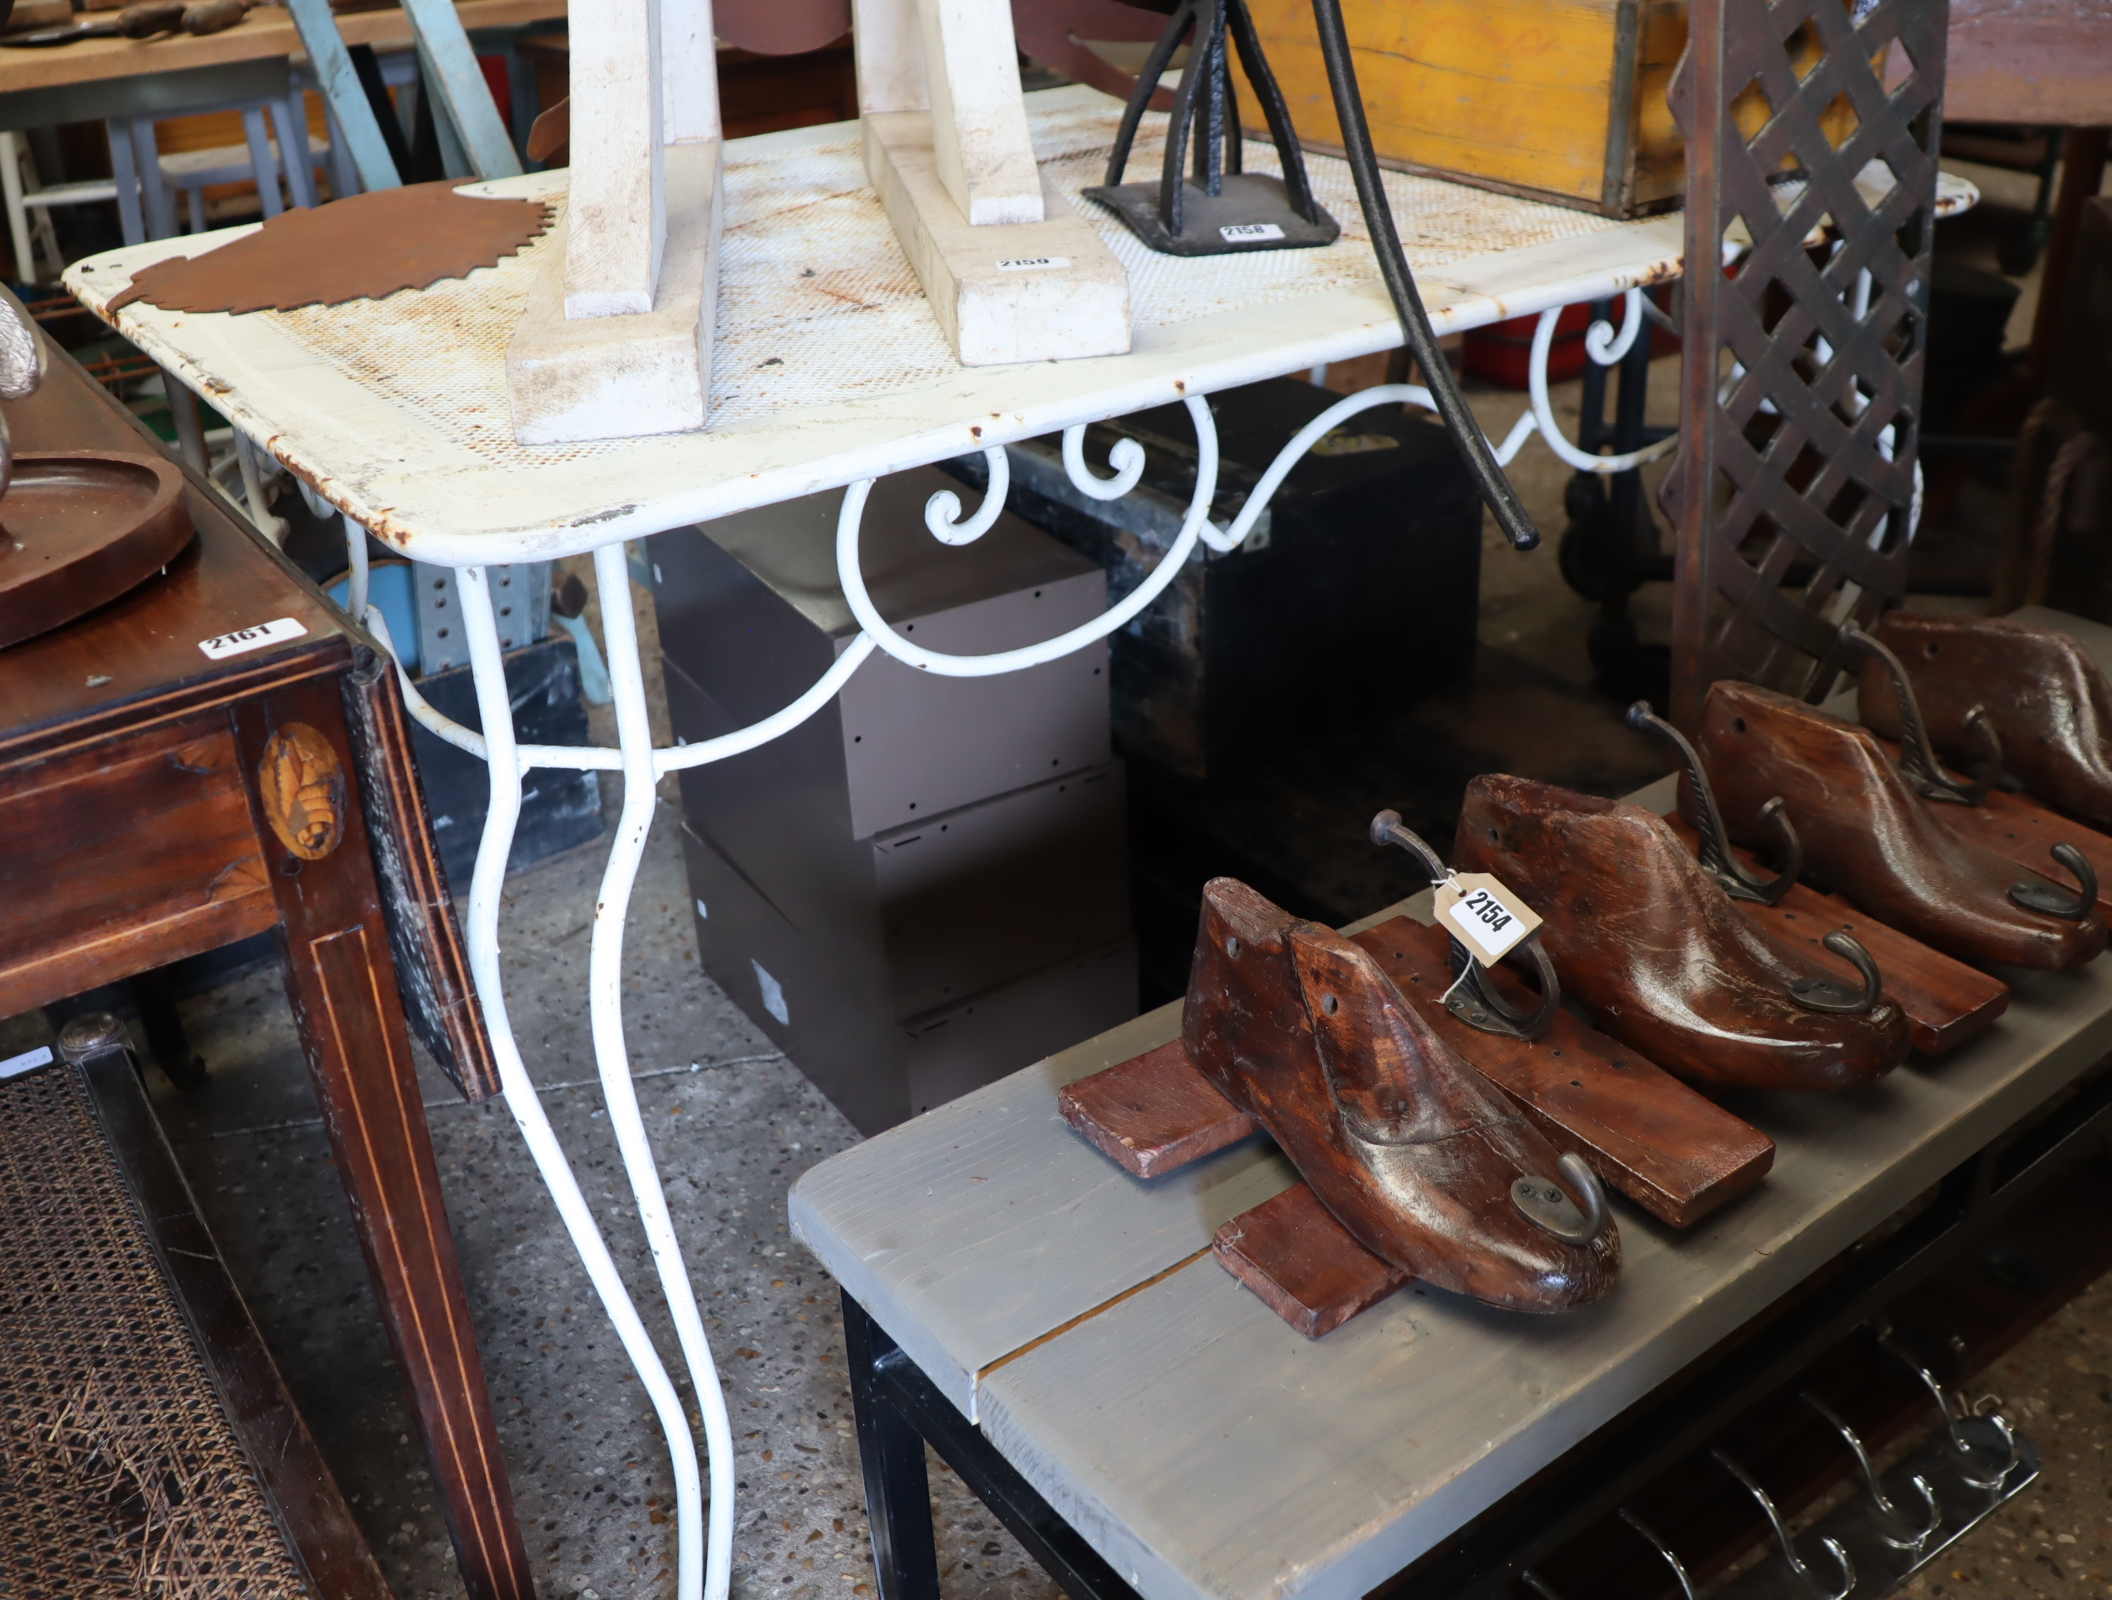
[359,248]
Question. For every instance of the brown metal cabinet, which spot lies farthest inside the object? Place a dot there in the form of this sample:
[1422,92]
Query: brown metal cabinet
[923,888]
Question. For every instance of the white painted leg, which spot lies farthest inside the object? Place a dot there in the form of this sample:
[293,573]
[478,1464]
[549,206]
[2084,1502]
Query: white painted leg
[484,894]
[605,987]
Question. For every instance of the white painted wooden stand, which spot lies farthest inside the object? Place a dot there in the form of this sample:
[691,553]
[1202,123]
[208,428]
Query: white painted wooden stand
[616,340]
[1012,271]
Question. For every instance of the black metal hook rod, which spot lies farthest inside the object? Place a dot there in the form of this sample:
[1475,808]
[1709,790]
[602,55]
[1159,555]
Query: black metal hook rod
[1154,67]
[1510,513]
[1276,114]
[1193,76]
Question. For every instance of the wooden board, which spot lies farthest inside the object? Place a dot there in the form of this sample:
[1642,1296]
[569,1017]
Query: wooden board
[1564,97]
[1667,1147]
[988,1221]
[1946,1002]
[1155,1113]
[1303,1264]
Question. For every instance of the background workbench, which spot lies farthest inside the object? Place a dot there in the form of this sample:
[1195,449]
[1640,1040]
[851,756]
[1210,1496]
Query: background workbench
[93,79]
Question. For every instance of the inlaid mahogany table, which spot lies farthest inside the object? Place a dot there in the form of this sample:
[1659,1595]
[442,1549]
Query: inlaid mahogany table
[215,755]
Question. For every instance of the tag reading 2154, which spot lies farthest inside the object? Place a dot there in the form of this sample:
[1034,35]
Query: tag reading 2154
[1477,908]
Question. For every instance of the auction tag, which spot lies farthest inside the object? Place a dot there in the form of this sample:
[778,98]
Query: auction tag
[224,645]
[1488,916]
[28,1061]
[1033,263]
[1250,233]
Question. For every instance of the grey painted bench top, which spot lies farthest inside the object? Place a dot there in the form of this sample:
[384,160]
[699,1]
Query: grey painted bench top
[1202,1446]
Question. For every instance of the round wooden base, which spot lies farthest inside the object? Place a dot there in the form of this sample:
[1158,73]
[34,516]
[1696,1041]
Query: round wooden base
[80,528]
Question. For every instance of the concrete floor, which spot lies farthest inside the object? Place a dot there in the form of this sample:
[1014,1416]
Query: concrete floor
[734,1125]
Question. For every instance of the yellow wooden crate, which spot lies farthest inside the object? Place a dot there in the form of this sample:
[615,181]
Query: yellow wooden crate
[1563,100]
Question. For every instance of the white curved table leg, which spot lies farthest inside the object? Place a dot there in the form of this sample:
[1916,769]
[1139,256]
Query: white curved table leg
[634,737]
[495,708]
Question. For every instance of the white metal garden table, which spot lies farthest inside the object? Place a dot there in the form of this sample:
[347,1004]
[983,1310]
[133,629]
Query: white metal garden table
[829,370]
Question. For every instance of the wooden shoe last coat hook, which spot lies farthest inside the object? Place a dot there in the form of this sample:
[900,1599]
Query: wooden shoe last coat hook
[1012,272]
[616,339]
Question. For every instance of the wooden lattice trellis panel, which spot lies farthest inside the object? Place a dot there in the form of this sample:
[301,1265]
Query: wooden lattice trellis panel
[1794,485]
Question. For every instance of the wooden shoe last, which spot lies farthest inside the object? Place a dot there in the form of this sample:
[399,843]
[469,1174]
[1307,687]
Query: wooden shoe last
[1867,834]
[1426,1164]
[2040,691]
[1664,959]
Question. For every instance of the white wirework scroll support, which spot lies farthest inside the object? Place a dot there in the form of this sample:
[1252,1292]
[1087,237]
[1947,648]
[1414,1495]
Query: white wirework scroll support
[878,630]
[1603,347]
[1127,458]
[942,513]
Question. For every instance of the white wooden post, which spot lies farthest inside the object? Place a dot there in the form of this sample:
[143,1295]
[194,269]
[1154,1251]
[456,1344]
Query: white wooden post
[1012,271]
[616,212]
[978,116]
[616,340]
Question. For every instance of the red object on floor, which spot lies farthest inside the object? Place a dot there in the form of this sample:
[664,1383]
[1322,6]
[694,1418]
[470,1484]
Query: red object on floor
[1502,353]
